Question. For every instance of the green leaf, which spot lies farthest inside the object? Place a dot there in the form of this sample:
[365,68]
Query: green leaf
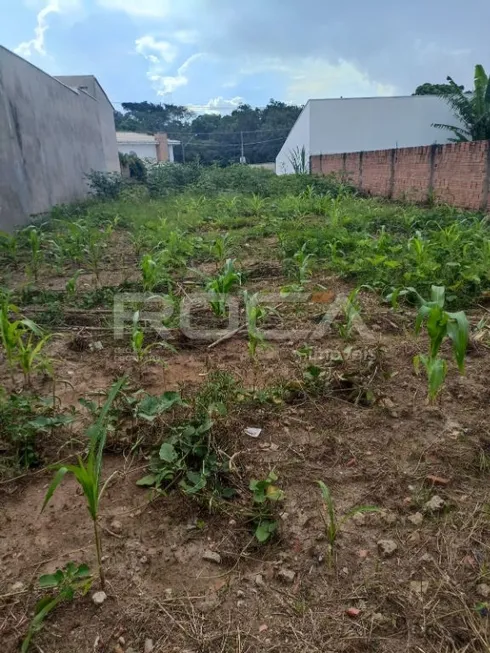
[168,453]
[264,530]
[59,476]
[458,330]
[147,481]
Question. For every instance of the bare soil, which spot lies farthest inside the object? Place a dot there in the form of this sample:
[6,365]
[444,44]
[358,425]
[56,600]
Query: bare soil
[372,438]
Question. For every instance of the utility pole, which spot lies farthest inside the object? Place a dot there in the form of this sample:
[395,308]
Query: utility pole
[242,157]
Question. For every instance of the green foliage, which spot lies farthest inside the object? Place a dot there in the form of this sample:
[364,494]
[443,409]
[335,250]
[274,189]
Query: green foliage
[471,109]
[65,583]
[298,160]
[265,495]
[142,352]
[88,473]
[149,272]
[351,311]
[22,418]
[134,165]
[71,285]
[105,185]
[255,313]
[333,524]
[221,286]
[22,341]
[147,407]
[190,459]
[440,325]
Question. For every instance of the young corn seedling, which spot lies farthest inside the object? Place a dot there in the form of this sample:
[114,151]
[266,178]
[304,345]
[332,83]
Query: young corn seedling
[302,263]
[265,495]
[221,286]
[255,314]
[351,310]
[149,272]
[88,473]
[220,249]
[34,239]
[29,352]
[440,325]
[332,523]
[71,285]
[64,584]
[142,351]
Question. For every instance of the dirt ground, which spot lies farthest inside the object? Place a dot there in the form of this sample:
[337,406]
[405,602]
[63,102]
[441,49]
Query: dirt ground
[409,577]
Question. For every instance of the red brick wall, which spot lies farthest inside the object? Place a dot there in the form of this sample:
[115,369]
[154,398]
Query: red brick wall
[456,174]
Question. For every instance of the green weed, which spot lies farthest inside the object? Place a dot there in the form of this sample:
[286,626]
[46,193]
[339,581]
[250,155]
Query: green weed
[265,495]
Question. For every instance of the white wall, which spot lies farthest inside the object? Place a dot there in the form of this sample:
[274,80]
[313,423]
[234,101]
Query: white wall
[379,123]
[143,150]
[299,136]
[49,140]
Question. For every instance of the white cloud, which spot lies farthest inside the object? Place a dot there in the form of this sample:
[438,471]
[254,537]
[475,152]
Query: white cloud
[309,78]
[148,45]
[37,44]
[218,105]
[139,8]
[160,54]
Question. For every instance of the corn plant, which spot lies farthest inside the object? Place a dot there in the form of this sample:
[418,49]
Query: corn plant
[256,205]
[71,284]
[255,313]
[88,473]
[300,266]
[351,311]
[220,249]
[66,583]
[149,272]
[221,286]
[8,245]
[29,352]
[96,241]
[440,325]
[138,346]
[265,495]
[332,523]
[34,239]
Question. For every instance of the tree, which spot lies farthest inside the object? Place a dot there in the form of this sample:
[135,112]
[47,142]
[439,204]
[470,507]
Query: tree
[473,109]
[434,89]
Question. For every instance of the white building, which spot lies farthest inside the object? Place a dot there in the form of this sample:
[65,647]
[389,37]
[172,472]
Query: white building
[157,147]
[335,126]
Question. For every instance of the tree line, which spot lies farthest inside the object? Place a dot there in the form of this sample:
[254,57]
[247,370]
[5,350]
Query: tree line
[215,138]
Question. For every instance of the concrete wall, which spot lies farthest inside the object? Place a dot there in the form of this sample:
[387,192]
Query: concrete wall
[360,124]
[456,174]
[90,84]
[299,136]
[50,139]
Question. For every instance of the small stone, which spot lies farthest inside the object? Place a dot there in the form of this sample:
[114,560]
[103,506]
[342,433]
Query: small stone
[286,575]
[99,597]
[388,517]
[483,590]
[437,480]
[149,647]
[259,580]
[363,554]
[122,641]
[414,538]
[419,587]
[379,619]
[416,519]
[144,560]
[118,649]
[168,593]
[387,547]
[427,558]
[353,613]
[17,587]
[359,519]
[232,522]
[212,556]
[116,527]
[240,604]
[435,504]
[240,594]
[263,628]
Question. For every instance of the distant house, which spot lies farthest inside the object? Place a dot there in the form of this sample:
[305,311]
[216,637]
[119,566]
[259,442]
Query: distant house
[53,132]
[157,147]
[335,126]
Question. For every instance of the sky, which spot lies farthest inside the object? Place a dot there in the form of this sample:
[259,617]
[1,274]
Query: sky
[211,55]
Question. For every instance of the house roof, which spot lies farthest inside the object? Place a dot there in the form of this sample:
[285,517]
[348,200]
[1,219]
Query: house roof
[135,137]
